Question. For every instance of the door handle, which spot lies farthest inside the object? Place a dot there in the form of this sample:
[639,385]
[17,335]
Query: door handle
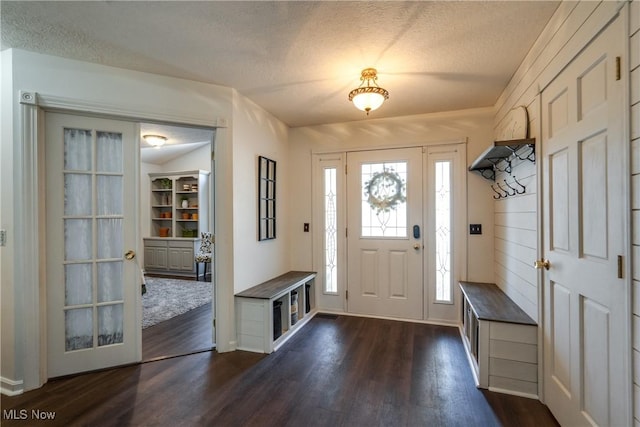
[416,246]
[130,254]
[542,263]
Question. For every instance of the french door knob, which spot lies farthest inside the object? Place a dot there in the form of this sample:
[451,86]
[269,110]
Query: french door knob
[130,254]
[542,263]
[416,246]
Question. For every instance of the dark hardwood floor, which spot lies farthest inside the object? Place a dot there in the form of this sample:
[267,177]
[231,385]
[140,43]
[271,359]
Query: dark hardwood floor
[183,334]
[342,371]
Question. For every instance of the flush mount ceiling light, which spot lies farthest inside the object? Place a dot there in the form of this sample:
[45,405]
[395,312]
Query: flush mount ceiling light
[156,141]
[368,96]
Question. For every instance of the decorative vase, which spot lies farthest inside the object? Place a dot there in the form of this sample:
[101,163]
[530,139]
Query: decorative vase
[185,204]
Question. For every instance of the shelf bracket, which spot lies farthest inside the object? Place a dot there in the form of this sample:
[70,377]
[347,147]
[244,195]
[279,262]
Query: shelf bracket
[491,159]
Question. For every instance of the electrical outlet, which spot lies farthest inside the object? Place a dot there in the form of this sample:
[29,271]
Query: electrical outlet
[3,237]
[475,228]
[306,227]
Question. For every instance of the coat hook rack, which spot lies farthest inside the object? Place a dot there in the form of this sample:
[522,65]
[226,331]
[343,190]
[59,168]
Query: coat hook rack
[506,193]
[498,195]
[510,190]
[514,191]
[524,189]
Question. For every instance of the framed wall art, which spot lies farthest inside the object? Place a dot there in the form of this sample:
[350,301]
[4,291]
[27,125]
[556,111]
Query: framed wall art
[266,198]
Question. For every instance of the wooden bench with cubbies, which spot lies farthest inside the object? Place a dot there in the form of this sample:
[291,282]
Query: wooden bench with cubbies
[268,314]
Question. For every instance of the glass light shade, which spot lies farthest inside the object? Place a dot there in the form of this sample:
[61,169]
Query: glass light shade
[369,96]
[368,101]
[155,140]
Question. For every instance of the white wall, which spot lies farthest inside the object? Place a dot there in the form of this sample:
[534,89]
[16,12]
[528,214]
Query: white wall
[634,69]
[103,89]
[517,243]
[474,125]
[257,133]
[573,25]
[10,371]
[199,159]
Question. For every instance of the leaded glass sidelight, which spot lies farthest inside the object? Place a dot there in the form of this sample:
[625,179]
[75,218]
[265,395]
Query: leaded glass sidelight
[384,199]
[442,232]
[330,231]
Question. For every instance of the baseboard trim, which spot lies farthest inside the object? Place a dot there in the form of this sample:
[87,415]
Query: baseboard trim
[514,393]
[10,387]
[455,324]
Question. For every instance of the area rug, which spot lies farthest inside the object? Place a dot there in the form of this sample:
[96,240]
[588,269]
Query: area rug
[167,298]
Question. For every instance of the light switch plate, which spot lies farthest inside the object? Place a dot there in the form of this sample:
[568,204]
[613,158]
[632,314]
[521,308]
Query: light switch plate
[475,228]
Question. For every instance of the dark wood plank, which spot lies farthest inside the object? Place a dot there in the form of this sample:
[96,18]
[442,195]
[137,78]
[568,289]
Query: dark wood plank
[490,303]
[183,334]
[273,287]
[345,371]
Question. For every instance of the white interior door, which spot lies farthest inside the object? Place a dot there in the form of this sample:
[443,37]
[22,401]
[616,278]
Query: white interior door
[93,289]
[586,319]
[384,193]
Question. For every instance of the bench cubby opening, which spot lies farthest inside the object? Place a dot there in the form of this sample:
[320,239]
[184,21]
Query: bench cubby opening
[287,298]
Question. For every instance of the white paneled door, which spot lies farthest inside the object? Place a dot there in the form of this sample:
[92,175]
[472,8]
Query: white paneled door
[92,279]
[384,192]
[586,318]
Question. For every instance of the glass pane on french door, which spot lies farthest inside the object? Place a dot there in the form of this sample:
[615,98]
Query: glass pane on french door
[93,238]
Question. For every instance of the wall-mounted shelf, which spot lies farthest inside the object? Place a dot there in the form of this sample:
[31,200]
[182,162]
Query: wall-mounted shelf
[501,152]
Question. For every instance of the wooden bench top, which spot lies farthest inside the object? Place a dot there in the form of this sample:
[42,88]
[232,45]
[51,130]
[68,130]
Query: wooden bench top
[273,287]
[490,303]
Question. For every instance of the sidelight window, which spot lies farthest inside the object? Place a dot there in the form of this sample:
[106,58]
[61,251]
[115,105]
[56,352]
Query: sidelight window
[330,231]
[442,231]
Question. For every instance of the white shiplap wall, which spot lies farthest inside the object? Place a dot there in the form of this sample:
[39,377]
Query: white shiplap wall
[515,222]
[573,25]
[634,98]
[516,218]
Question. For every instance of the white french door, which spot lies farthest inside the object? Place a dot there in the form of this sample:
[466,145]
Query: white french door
[92,280]
[401,258]
[586,318]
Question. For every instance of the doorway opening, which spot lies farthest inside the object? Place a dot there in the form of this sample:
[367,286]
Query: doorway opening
[176,218]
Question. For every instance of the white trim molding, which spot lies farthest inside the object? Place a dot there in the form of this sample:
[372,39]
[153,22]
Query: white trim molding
[29,212]
[27,260]
[10,387]
[116,111]
[28,98]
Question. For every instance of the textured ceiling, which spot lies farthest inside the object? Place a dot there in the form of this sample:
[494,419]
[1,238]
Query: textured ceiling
[298,60]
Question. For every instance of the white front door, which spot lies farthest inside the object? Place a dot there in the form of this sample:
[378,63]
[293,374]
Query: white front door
[586,317]
[93,288]
[385,221]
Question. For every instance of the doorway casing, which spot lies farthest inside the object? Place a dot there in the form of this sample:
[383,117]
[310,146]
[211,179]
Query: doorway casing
[30,224]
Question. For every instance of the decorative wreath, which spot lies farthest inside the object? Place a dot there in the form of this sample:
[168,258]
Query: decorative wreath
[385,190]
